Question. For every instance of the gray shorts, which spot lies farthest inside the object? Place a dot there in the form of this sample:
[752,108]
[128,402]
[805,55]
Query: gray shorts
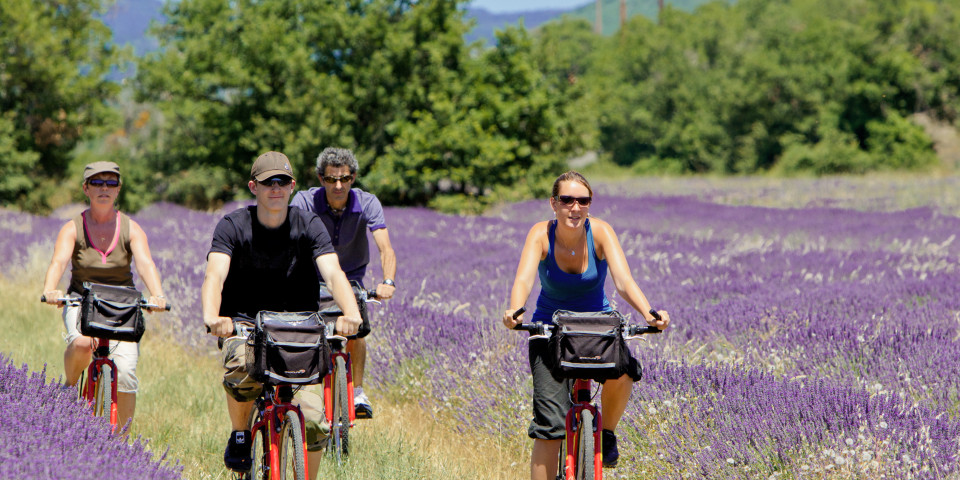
[243,388]
[124,354]
[551,397]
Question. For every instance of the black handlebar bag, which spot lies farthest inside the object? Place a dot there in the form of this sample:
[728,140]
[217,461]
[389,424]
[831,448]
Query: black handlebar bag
[288,348]
[112,312]
[588,345]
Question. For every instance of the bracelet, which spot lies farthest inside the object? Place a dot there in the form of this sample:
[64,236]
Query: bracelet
[159,296]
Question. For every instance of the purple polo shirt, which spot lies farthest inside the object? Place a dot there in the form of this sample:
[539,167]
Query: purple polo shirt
[346,231]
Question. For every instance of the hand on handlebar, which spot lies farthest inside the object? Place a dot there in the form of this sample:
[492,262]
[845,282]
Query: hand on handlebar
[158,304]
[348,326]
[385,291]
[53,297]
[661,319]
[512,318]
[219,326]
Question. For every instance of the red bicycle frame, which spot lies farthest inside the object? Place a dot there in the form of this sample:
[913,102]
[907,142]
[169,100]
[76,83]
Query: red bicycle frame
[581,389]
[100,358]
[328,387]
[274,411]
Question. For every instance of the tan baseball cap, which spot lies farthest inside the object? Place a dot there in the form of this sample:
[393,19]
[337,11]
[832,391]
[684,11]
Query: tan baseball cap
[271,164]
[100,167]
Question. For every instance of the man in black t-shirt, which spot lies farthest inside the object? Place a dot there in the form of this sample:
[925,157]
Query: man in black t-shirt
[266,257]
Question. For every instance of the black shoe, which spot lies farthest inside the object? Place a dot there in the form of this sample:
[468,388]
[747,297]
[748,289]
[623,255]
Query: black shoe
[610,452]
[237,455]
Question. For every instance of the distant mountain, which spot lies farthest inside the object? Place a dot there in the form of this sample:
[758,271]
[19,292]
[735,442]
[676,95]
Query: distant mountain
[487,23]
[129,19]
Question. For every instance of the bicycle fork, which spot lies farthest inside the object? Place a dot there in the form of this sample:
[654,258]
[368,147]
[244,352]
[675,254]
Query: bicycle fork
[328,382]
[94,371]
[271,420]
[574,423]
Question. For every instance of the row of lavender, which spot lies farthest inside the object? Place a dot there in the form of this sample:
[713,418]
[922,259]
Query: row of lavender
[69,444]
[804,341]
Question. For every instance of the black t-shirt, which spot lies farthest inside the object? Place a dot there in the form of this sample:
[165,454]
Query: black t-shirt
[270,269]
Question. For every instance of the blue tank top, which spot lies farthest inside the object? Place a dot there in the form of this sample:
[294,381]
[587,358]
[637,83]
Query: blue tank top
[578,292]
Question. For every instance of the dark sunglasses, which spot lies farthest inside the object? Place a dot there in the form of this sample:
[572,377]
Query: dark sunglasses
[569,199]
[279,181]
[99,182]
[343,179]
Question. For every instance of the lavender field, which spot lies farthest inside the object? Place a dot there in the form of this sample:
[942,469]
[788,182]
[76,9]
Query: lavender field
[808,340]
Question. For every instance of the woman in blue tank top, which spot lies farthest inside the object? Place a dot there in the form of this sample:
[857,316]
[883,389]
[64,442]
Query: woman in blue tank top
[571,255]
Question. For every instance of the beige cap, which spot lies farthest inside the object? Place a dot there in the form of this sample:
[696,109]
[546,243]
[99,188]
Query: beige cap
[271,164]
[100,167]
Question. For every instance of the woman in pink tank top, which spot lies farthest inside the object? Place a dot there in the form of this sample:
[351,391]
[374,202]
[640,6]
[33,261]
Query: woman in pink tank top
[100,244]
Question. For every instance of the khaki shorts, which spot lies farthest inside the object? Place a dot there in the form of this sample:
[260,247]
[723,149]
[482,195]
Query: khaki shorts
[123,354]
[243,388]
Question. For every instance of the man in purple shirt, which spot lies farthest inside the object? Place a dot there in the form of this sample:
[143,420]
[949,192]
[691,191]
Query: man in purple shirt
[346,212]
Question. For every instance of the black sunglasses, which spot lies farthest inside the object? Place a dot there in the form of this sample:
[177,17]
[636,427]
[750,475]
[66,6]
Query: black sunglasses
[99,182]
[569,199]
[278,181]
[343,179]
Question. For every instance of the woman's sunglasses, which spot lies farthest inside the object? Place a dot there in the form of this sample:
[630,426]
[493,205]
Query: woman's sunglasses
[279,181]
[99,182]
[342,179]
[569,199]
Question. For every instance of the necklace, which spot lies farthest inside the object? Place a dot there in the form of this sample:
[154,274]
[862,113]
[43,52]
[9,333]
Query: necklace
[564,246]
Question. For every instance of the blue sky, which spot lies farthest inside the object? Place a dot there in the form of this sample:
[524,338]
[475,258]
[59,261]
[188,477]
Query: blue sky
[504,6]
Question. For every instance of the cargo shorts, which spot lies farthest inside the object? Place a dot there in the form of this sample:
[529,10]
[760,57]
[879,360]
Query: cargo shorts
[243,388]
[124,354]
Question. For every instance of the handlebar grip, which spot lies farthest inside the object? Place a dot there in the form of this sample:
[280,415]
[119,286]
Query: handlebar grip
[656,315]
[372,294]
[43,299]
[519,312]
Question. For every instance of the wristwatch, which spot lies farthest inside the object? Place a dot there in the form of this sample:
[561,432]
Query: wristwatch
[389,281]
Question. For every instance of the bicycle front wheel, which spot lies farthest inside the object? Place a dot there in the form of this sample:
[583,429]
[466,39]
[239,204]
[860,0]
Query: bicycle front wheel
[292,464]
[102,398]
[340,428]
[583,462]
[259,451]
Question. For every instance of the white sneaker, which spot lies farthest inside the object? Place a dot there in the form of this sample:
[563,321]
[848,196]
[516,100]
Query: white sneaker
[361,405]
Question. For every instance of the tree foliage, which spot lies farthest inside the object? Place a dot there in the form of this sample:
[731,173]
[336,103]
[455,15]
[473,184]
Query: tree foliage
[53,92]
[819,86]
[390,79]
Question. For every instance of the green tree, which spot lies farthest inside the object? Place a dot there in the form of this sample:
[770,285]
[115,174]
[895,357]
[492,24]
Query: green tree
[53,92]
[235,79]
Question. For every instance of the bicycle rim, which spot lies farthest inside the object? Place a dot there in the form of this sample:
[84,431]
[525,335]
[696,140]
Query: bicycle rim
[340,429]
[292,464]
[259,451]
[102,398]
[584,458]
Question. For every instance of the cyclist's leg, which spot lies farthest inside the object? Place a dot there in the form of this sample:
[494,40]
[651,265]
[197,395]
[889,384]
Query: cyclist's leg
[551,401]
[318,430]
[125,355]
[79,349]
[613,399]
[357,348]
[241,391]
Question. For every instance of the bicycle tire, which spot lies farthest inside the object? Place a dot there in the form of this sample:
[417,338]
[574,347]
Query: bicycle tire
[340,427]
[584,459]
[259,452]
[292,463]
[102,399]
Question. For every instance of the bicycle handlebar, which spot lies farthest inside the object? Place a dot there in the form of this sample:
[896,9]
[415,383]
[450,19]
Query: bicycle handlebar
[76,301]
[539,329]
